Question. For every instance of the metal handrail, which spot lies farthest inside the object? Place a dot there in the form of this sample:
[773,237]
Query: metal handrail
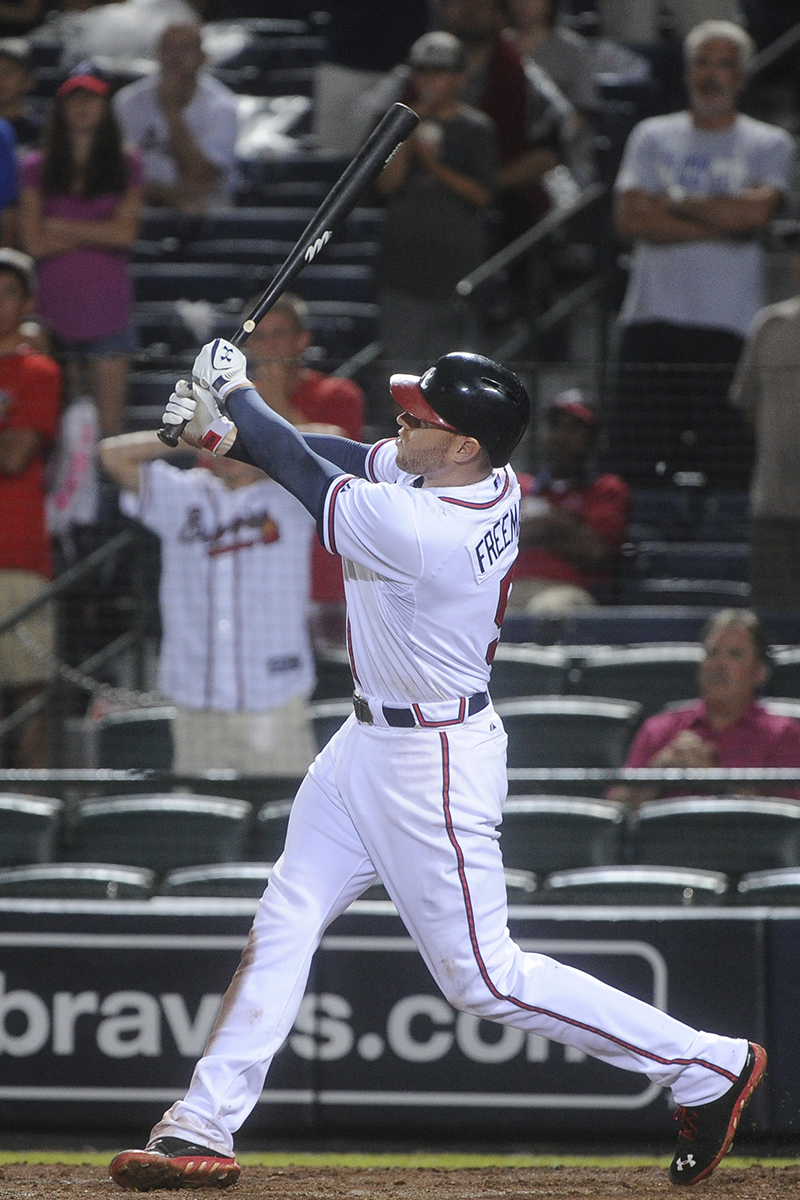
[770,54]
[531,237]
[70,577]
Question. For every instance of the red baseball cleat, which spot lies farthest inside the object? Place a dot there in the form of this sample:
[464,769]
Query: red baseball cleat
[171,1162]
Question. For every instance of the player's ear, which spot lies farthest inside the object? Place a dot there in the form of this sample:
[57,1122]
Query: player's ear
[467,450]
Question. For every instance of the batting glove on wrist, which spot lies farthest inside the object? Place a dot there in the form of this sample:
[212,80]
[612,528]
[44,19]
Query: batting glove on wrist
[220,366]
[206,427]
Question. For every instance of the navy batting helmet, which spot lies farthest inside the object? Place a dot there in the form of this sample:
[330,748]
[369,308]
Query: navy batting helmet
[468,394]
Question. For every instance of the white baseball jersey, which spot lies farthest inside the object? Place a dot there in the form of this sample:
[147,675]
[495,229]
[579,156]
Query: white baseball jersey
[427,573]
[418,804]
[235,578]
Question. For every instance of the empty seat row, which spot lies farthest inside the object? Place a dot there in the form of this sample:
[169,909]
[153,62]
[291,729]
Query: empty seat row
[218,282]
[540,834]
[612,885]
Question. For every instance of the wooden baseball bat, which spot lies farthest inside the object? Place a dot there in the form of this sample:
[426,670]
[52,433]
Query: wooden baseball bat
[365,168]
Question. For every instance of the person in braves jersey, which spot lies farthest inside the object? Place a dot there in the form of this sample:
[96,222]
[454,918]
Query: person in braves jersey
[241,673]
[411,788]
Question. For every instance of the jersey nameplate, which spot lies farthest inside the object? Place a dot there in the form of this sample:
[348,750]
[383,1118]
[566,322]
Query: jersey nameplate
[496,546]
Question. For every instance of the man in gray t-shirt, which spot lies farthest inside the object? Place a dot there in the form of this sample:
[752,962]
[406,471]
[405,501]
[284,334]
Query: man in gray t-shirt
[767,388]
[694,191]
[438,186]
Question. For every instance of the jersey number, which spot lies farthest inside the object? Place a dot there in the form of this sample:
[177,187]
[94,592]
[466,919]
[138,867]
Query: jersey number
[502,604]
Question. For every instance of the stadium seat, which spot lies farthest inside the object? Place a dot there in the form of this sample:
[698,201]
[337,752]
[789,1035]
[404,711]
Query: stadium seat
[529,670]
[785,677]
[243,879]
[623,884]
[551,833]
[521,886]
[568,731]
[782,706]
[721,593]
[160,831]
[663,514]
[334,677]
[29,828]
[77,881]
[652,675]
[328,716]
[272,253]
[270,829]
[725,516]
[140,738]
[718,833]
[778,887]
[212,282]
[693,560]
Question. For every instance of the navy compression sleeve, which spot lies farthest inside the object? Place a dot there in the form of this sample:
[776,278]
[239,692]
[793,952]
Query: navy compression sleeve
[342,452]
[276,447]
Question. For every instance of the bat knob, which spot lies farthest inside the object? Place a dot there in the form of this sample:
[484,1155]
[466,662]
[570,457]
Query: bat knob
[170,434]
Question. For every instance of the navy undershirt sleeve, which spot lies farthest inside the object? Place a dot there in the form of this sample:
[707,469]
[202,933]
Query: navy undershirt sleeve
[275,446]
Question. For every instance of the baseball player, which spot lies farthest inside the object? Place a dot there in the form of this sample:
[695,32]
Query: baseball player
[411,788]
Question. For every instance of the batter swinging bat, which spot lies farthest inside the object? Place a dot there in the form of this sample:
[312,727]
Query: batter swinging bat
[365,168]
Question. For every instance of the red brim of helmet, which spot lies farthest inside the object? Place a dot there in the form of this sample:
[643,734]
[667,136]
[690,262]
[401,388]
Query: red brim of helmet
[408,395]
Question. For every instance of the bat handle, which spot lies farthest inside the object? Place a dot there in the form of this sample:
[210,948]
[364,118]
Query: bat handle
[170,435]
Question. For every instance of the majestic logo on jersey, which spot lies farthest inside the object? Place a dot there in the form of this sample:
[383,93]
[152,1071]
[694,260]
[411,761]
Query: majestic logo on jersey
[256,529]
[496,546]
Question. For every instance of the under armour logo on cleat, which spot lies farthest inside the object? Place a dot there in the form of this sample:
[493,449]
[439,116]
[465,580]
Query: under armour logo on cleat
[680,1163]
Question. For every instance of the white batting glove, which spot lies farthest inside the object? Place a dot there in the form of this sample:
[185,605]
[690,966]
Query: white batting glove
[206,427]
[220,366]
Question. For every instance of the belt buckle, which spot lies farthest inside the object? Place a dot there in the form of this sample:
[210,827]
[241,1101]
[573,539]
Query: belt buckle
[362,710]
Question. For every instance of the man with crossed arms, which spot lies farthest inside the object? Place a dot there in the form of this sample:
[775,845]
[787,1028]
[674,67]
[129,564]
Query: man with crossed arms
[411,788]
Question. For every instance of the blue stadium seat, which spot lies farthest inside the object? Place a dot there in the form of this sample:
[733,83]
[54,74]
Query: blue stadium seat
[721,593]
[692,560]
[623,884]
[773,888]
[653,675]
[785,677]
[552,833]
[663,514]
[719,833]
[725,516]
[77,881]
[140,738]
[529,670]
[272,819]
[213,282]
[240,879]
[29,827]
[568,731]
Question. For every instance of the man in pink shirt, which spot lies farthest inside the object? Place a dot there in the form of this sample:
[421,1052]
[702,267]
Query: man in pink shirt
[726,727]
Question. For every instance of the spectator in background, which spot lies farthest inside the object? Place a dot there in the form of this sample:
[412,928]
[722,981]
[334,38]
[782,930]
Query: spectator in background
[20,16]
[694,191]
[527,126]
[79,216]
[365,40]
[184,122]
[572,520]
[30,395]
[563,54]
[726,726]
[314,403]
[241,670]
[16,84]
[8,184]
[437,186]
[766,388]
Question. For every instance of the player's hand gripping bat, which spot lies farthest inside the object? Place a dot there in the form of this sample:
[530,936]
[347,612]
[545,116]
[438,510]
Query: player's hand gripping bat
[365,168]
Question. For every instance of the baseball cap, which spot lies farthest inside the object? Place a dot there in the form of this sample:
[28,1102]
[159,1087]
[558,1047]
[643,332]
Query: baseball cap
[578,404]
[437,51]
[22,265]
[86,83]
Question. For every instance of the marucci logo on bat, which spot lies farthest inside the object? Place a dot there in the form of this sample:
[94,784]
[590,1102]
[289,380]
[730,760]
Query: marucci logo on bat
[313,250]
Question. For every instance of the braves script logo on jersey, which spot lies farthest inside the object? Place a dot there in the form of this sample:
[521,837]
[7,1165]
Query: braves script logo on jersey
[496,546]
[258,529]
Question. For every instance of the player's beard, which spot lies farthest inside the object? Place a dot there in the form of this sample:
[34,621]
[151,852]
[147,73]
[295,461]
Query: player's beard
[423,460]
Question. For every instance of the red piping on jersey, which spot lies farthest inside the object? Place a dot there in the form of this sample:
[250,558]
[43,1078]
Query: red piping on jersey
[487,504]
[334,492]
[484,973]
[462,712]
[371,456]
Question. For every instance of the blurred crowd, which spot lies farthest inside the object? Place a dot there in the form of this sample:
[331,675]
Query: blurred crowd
[109,111]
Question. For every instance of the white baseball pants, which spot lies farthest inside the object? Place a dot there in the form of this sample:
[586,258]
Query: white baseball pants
[419,808]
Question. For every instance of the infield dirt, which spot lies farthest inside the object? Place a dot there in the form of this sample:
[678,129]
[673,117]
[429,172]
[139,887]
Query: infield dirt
[55,1181]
